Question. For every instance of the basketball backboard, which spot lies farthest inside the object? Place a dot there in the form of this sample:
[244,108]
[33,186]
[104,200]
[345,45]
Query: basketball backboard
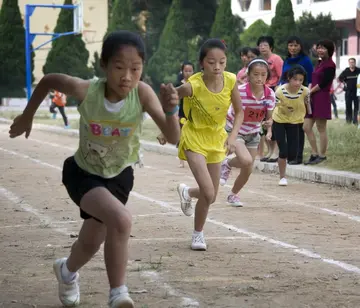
[78,16]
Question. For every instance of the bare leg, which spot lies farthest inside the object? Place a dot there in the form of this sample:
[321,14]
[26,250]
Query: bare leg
[308,129]
[321,127]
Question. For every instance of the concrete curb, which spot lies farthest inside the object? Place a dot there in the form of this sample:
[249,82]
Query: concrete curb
[314,174]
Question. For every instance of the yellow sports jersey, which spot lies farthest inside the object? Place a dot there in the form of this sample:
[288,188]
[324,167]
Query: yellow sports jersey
[204,131]
[290,108]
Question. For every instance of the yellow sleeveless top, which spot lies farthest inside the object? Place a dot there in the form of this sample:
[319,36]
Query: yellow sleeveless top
[204,130]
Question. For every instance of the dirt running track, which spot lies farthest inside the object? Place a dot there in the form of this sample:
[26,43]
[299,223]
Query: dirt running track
[288,247]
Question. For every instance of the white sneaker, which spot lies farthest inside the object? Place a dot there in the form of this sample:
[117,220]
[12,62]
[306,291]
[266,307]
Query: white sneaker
[121,300]
[198,242]
[69,293]
[186,205]
[283,182]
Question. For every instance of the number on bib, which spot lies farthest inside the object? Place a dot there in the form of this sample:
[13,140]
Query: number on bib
[254,115]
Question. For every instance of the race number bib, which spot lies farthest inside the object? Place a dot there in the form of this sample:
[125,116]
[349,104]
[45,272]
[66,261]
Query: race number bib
[254,115]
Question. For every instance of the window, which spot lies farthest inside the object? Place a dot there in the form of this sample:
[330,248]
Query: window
[344,47]
[244,5]
[265,5]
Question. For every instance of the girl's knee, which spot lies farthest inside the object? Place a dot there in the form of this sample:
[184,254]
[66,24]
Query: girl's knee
[121,222]
[209,196]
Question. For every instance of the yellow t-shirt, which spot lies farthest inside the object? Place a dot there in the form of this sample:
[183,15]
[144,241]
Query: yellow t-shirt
[290,107]
[204,130]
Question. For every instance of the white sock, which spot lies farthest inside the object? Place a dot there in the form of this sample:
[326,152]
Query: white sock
[118,290]
[66,275]
[197,233]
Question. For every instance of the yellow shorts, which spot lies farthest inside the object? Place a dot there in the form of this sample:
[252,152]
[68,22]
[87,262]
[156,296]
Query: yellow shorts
[210,145]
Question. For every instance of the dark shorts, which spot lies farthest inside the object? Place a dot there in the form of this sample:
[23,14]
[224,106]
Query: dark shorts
[78,182]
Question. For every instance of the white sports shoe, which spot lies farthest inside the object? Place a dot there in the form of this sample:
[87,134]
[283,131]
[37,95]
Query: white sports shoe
[186,205]
[69,293]
[121,300]
[283,182]
[198,242]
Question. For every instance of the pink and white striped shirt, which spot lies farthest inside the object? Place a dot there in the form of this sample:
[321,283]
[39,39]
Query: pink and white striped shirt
[254,110]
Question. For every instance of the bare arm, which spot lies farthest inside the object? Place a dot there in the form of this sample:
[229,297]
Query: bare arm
[71,86]
[184,90]
[239,113]
[168,124]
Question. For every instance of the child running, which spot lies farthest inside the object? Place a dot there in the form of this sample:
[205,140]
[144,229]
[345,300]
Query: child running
[204,142]
[258,101]
[292,99]
[99,177]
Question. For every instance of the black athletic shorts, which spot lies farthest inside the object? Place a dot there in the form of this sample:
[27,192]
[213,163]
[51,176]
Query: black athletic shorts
[78,182]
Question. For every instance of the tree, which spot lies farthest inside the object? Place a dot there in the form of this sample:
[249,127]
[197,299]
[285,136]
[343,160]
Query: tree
[121,17]
[157,12]
[283,25]
[313,29]
[12,51]
[68,54]
[250,36]
[164,65]
[97,70]
[228,27]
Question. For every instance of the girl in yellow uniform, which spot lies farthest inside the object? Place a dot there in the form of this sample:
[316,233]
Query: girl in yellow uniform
[292,99]
[204,141]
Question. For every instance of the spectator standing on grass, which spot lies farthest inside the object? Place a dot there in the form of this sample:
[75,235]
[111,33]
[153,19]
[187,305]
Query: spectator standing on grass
[322,80]
[58,100]
[296,56]
[349,78]
[266,47]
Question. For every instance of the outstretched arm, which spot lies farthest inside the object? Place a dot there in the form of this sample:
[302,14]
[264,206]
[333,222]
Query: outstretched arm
[184,90]
[165,114]
[68,85]
[239,113]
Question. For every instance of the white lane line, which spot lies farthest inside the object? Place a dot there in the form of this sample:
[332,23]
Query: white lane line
[346,266]
[186,239]
[45,220]
[256,192]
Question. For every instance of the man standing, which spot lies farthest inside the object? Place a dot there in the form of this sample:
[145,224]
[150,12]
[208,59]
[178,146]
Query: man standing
[349,78]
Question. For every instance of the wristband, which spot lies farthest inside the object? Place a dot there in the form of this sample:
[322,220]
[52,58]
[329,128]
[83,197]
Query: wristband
[172,112]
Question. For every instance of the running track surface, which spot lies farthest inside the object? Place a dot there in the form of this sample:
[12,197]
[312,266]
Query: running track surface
[295,246]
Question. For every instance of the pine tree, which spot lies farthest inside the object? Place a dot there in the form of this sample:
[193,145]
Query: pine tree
[157,12]
[121,17]
[165,64]
[12,51]
[283,25]
[250,36]
[228,27]
[68,54]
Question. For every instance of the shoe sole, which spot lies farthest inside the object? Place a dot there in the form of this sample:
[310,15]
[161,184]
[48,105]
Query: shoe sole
[124,305]
[235,205]
[198,249]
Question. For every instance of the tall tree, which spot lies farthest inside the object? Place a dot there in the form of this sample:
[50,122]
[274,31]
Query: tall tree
[97,70]
[228,27]
[157,12]
[68,54]
[250,36]
[312,29]
[165,63]
[12,51]
[121,16]
[283,25]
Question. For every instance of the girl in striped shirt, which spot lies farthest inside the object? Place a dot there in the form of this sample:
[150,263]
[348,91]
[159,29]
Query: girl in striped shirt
[258,101]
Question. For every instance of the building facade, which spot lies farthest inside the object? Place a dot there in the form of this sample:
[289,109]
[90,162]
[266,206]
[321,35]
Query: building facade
[95,23]
[342,11]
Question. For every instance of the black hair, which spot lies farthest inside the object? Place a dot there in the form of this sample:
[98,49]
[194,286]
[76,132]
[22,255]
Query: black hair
[255,51]
[211,44]
[186,63]
[266,39]
[259,61]
[244,51]
[329,45]
[297,40]
[296,70]
[115,40]
[352,59]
